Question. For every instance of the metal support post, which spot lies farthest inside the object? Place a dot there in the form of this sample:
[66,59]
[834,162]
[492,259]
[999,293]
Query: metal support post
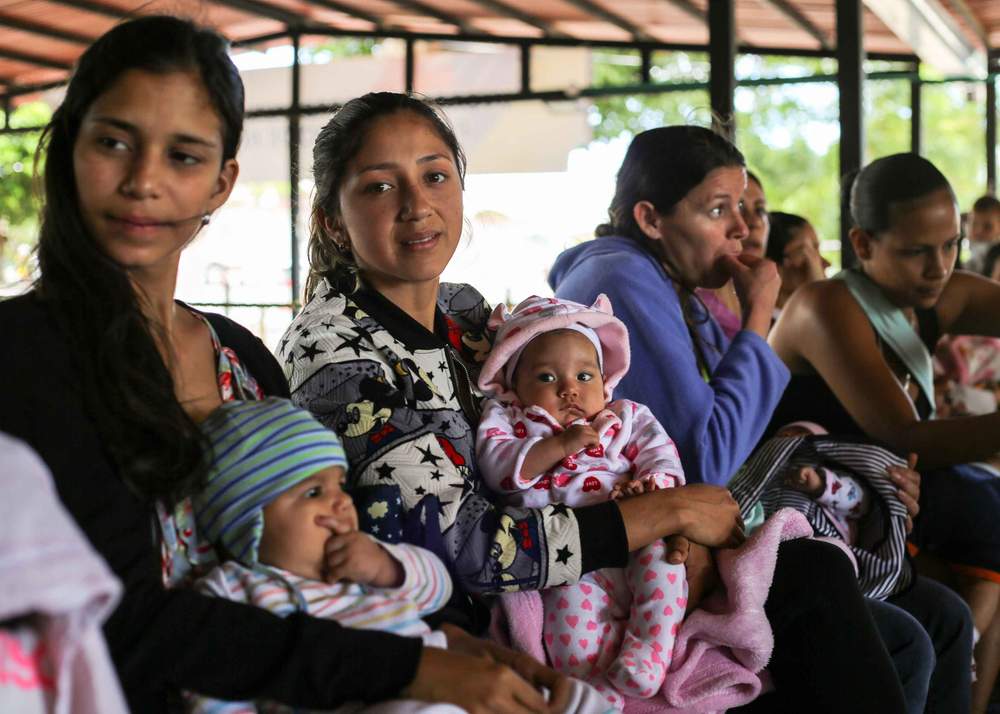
[850,82]
[645,65]
[294,138]
[525,68]
[722,58]
[916,121]
[408,82]
[991,132]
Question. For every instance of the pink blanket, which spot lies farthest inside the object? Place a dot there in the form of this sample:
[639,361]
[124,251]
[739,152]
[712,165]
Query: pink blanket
[722,647]
[58,661]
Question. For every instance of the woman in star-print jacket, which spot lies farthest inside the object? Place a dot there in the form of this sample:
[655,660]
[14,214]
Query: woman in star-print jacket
[387,356]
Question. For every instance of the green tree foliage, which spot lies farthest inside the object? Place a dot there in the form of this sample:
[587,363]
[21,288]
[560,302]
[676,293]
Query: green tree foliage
[340,47]
[19,198]
[790,134]
[954,135]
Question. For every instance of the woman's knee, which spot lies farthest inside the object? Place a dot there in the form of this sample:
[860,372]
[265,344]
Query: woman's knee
[816,563]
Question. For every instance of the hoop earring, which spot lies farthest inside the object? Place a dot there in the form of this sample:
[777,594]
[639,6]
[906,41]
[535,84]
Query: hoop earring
[343,246]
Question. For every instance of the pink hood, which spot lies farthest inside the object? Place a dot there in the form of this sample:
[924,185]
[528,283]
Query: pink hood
[537,315]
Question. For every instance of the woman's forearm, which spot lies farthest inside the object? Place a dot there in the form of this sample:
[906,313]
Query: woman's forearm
[946,442]
[648,517]
[758,319]
[704,514]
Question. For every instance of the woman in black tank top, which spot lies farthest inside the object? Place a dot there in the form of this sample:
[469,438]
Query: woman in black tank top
[846,376]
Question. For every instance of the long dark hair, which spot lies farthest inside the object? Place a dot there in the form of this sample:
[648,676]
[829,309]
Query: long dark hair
[336,144]
[662,166]
[784,227]
[128,390]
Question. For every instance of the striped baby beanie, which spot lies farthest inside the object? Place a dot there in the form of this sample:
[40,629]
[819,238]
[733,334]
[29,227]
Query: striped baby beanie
[259,450]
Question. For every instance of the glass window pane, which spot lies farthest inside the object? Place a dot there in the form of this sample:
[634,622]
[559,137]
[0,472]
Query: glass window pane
[954,136]
[19,202]
[445,69]
[888,117]
[337,69]
[555,68]
[790,136]
[244,255]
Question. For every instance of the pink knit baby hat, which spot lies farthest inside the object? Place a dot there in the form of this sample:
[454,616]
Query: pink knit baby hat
[537,315]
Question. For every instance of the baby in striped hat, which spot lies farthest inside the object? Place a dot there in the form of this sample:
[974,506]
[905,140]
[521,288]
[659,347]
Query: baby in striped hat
[274,505]
[275,497]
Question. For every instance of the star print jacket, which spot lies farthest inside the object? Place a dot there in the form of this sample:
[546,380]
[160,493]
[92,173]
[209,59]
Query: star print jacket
[633,447]
[403,400]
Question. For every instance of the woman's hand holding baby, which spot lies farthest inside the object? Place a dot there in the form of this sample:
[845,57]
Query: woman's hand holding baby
[908,480]
[485,678]
[356,557]
[704,514]
[702,575]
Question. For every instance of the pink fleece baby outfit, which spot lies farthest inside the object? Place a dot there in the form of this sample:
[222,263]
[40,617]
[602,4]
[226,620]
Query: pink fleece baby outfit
[615,627]
[633,446]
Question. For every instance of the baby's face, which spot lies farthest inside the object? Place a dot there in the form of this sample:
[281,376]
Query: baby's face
[558,371]
[292,538]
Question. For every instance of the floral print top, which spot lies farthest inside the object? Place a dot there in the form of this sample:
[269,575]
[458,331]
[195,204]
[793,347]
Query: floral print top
[185,556]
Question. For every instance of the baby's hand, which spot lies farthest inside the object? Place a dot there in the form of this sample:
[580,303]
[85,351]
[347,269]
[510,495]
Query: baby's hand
[807,480]
[357,558]
[628,488]
[648,485]
[579,437]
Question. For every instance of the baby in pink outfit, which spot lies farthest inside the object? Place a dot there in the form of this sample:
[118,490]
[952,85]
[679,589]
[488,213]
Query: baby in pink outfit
[551,435]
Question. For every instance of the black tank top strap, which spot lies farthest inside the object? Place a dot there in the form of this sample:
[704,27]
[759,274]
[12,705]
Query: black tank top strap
[928,327]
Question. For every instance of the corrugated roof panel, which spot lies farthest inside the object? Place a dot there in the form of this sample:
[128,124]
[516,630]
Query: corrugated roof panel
[759,22]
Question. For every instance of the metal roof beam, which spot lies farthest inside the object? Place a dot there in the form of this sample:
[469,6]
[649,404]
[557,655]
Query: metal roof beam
[974,23]
[425,9]
[16,90]
[352,12]
[36,60]
[597,11]
[98,8]
[927,27]
[795,15]
[506,10]
[696,13]
[261,9]
[16,23]
[691,9]
[654,45]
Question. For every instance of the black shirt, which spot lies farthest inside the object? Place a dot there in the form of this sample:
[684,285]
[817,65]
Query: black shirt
[164,640]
